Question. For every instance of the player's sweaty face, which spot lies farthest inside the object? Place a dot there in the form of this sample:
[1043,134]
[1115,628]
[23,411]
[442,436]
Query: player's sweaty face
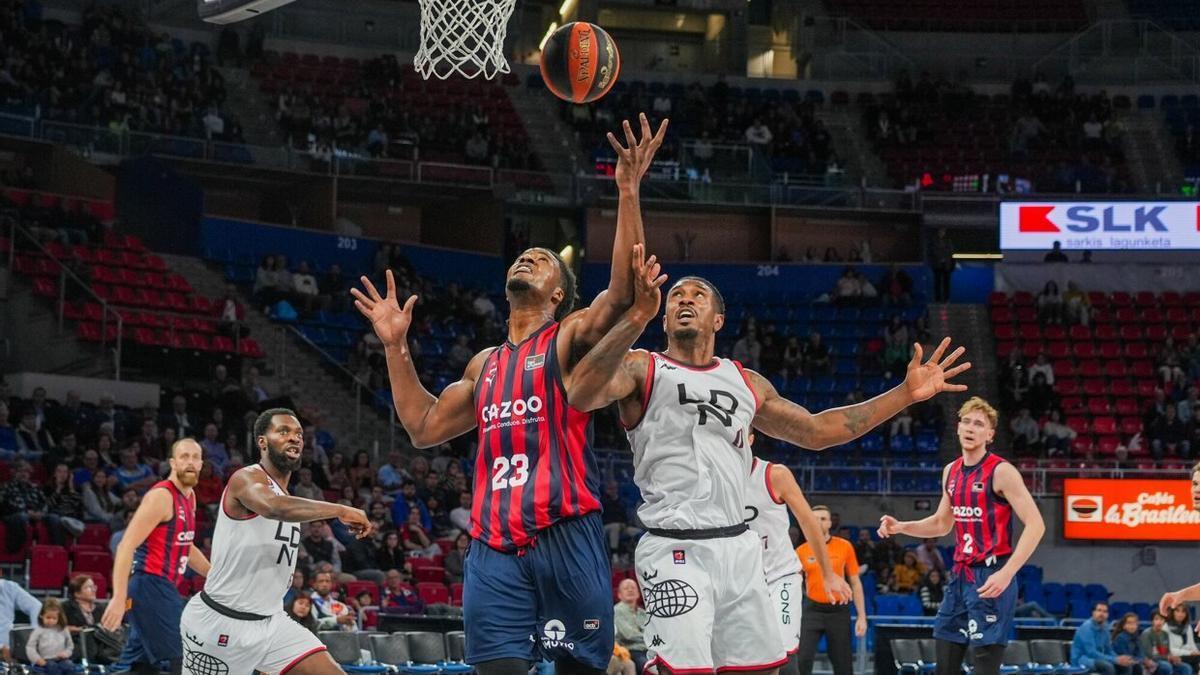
[534,268]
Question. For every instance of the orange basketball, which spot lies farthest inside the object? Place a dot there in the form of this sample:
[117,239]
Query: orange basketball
[580,62]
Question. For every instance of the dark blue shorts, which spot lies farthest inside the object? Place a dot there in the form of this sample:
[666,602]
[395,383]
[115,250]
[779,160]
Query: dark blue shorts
[966,618]
[552,601]
[154,611]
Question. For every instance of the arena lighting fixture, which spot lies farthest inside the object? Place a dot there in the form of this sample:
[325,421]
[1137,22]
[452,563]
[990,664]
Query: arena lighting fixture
[978,256]
[549,31]
[567,7]
[232,11]
[568,254]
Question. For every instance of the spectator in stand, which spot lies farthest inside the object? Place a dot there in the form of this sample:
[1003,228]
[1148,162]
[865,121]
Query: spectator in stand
[305,487]
[1056,254]
[1040,397]
[72,415]
[63,500]
[1042,366]
[331,613]
[907,575]
[38,406]
[931,592]
[8,435]
[407,501]
[1181,636]
[80,608]
[1156,644]
[392,553]
[399,596]
[1056,436]
[1126,643]
[321,548]
[1025,432]
[930,556]
[147,441]
[1092,646]
[300,609]
[453,562]
[615,518]
[133,473]
[896,287]
[361,474]
[106,412]
[816,355]
[208,489]
[23,504]
[392,475]
[748,350]
[50,645]
[630,620]
[306,290]
[417,538]
[1189,408]
[1170,364]
[1169,436]
[32,442]
[460,517]
[179,419]
[941,259]
[759,136]
[901,424]
[460,353]
[13,598]
[864,549]
[64,452]
[1077,309]
[338,472]
[1050,304]
[99,503]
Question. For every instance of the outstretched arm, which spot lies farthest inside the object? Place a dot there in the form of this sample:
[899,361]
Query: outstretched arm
[428,419]
[1007,483]
[632,162]
[602,377]
[784,487]
[937,525]
[782,419]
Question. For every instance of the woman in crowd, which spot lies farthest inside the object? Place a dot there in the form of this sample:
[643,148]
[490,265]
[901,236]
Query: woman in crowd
[300,610]
[907,574]
[453,562]
[933,588]
[99,503]
[64,501]
[393,553]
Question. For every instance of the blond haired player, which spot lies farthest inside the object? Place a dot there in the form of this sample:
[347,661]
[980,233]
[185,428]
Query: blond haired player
[980,493]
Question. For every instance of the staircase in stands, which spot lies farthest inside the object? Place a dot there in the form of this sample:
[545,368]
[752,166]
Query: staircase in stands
[310,378]
[969,326]
[1153,162]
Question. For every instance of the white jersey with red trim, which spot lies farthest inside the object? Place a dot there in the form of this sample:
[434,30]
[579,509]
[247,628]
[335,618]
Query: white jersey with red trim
[690,452]
[253,559]
[769,519]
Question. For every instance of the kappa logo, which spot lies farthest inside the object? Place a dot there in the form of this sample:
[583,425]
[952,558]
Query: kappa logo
[666,366]
[193,640]
[534,362]
[656,641]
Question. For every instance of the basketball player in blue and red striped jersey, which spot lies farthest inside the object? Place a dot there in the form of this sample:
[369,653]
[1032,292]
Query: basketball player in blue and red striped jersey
[980,493]
[1183,596]
[151,559]
[537,582]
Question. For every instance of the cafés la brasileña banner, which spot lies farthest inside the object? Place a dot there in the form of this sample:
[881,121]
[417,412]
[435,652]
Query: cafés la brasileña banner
[1130,509]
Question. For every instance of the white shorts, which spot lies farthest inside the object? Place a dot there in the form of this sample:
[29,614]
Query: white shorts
[214,644]
[786,595]
[687,584]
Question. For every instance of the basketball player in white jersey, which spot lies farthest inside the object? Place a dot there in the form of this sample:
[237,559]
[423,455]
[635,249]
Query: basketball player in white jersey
[237,625]
[771,492]
[688,416]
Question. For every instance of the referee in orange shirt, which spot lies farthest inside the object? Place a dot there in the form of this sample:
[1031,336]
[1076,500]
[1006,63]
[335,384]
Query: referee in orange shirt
[820,616]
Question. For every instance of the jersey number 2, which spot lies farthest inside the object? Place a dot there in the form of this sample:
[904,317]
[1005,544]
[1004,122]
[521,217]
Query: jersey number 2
[518,464]
[968,544]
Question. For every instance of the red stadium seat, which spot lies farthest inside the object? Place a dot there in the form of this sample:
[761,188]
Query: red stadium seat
[1083,350]
[1130,425]
[1098,405]
[1066,387]
[433,593]
[1104,425]
[48,566]
[1136,350]
[354,588]
[456,593]
[430,574]
[1125,405]
[1106,446]
[1097,387]
[92,561]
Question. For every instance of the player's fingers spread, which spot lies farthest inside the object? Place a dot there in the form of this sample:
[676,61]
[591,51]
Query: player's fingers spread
[391,283]
[918,353]
[372,292]
[612,140]
[646,135]
[949,360]
[957,370]
[629,134]
[662,279]
[956,387]
[941,349]
[358,295]
[409,304]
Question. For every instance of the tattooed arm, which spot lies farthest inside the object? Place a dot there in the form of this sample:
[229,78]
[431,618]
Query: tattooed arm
[780,418]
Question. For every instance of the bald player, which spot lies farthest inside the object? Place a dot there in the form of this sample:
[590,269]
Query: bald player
[151,559]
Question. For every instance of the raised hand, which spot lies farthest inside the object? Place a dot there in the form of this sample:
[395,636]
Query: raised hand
[647,284]
[924,380]
[389,320]
[634,158]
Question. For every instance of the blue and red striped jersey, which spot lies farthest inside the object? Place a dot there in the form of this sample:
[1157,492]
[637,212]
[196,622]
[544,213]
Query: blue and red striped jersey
[982,518]
[165,552]
[535,465]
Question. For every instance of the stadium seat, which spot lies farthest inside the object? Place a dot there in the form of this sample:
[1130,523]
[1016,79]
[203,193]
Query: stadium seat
[430,573]
[354,588]
[47,569]
[908,659]
[433,593]
[92,561]
[344,649]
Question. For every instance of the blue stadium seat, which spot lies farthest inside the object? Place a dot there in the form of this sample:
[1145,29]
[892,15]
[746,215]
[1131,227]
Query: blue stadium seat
[1118,609]
[1056,598]
[1096,593]
[1144,610]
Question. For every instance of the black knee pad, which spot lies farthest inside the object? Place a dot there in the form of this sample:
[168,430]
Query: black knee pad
[503,667]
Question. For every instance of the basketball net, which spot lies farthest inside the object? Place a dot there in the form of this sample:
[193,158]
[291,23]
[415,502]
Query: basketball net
[464,37]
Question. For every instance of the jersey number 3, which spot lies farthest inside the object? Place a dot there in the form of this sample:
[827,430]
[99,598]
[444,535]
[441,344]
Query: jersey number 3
[518,464]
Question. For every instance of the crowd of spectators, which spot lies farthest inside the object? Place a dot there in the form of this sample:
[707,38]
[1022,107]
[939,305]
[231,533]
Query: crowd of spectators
[1037,121]
[784,134]
[111,71]
[1166,647]
[369,117]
